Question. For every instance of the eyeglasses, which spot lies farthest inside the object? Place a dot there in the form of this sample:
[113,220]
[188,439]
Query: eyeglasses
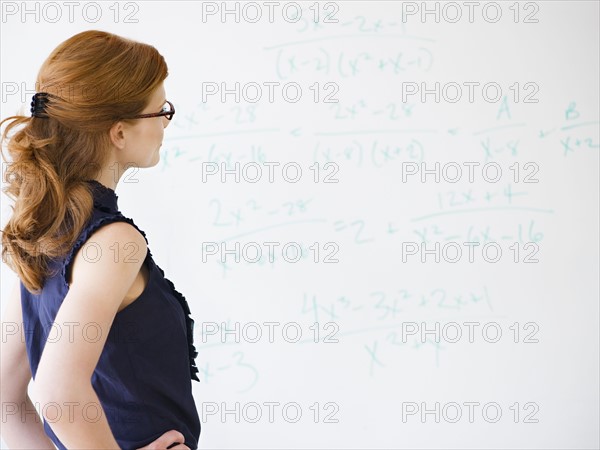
[168,110]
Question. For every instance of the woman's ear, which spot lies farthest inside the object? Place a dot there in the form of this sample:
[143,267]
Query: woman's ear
[117,135]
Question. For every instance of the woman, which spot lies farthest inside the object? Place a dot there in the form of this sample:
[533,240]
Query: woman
[106,337]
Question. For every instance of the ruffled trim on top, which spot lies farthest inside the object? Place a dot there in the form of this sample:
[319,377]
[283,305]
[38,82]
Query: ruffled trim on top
[189,325]
[105,198]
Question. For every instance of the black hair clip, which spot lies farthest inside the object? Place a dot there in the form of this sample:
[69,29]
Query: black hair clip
[38,105]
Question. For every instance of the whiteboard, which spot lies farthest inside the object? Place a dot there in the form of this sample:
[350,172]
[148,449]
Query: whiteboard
[356,336]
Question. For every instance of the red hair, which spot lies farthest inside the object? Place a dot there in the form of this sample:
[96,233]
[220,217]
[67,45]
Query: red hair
[95,78]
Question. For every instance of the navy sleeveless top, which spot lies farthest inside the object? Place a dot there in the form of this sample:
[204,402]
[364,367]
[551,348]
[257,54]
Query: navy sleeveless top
[143,377]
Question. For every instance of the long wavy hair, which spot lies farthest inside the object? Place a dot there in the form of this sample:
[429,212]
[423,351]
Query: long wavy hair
[94,79]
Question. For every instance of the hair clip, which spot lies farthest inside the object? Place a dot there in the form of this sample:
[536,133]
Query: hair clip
[38,104]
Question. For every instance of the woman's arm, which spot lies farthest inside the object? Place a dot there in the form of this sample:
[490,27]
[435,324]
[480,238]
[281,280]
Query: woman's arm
[22,427]
[84,319]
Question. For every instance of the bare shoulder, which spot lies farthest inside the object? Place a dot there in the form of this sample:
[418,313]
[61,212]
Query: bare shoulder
[120,232]
[115,249]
